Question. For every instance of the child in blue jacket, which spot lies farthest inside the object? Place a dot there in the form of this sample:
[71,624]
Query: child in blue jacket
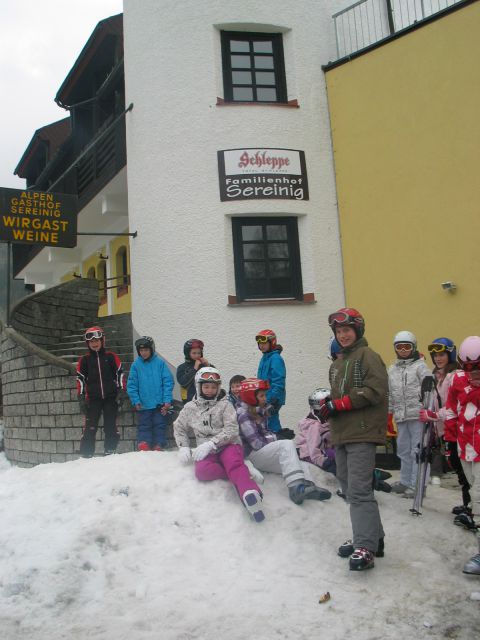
[150,386]
[272,368]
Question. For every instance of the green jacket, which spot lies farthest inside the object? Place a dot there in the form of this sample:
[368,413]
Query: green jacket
[361,375]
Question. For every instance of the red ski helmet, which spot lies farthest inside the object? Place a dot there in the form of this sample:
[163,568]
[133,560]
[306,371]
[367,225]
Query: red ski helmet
[94,333]
[267,335]
[347,317]
[249,388]
[193,343]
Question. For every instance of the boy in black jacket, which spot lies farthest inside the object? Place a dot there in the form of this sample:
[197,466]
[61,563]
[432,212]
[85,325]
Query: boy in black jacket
[99,378]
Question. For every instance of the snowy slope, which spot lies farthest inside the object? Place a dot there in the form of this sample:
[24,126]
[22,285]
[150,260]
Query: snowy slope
[133,547]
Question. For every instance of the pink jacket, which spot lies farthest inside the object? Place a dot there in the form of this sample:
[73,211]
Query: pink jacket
[313,442]
[442,387]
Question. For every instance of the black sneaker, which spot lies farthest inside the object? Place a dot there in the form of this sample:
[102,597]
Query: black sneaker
[361,559]
[466,520]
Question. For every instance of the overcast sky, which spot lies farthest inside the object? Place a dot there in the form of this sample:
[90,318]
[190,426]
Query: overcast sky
[39,43]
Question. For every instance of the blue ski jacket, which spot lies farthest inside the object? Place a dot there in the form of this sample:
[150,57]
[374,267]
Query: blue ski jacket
[150,382]
[272,368]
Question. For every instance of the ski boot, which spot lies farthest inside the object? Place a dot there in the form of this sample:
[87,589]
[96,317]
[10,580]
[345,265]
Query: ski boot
[252,501]
[398,487]
[461,508]
[361,559]
[346,549]
[466,520]
[143,446]
[307,491]
[473,565]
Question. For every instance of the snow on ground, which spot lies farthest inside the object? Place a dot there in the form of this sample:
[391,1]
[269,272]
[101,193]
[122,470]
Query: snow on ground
[134,547]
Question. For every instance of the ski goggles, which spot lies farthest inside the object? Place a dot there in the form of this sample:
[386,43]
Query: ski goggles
[403,346]
[436,347]
[263,339]
[94,335]
[471,365]
[209,376]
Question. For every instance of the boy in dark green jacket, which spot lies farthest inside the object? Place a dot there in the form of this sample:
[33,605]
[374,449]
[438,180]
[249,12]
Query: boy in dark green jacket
[357,411]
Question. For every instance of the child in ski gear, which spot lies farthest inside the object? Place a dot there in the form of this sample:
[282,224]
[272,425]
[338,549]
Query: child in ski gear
[462,424]
[272,368]
[234,389]
[99,379]
[150,386]
[266,452]
[194,360]
[357,412]
[405,377]
[313,438]
[219,455]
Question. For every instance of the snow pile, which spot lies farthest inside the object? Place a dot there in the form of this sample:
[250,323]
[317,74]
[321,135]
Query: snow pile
[134,547]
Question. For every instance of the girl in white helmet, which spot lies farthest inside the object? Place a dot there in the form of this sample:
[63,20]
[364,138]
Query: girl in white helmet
[405,377]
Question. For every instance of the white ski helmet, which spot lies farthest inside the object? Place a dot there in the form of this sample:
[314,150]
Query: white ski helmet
[469,351]
[405,336]
[316,397]
[207,374]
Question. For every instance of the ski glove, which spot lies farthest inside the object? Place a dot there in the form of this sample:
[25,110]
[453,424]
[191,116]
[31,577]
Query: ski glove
[184,455]
[203,450]
[428,416]
[83,404]
[330,407]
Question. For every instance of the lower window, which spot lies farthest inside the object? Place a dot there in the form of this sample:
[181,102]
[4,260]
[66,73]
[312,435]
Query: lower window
[267,258]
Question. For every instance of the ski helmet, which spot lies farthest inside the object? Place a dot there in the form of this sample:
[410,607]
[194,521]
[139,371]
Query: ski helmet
[405,337]
[249,388]
[443,345]
[335,348]
[316,397]
[94,333]
[347,317]
[469,353]
[146,342]
[193,343]
[207,374]
[267,335]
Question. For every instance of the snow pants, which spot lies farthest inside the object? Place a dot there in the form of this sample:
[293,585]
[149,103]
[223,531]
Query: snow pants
[95,408]
[152,427]
[281,457]
[355,465]
[408,439]
[227,464]
[472,473]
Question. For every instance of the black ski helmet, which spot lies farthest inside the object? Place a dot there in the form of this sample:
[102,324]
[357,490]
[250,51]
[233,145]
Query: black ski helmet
[193,343]
[146,342]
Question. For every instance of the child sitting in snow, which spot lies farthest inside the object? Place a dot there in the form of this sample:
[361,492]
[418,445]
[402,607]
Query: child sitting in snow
[219,453]
[234,389]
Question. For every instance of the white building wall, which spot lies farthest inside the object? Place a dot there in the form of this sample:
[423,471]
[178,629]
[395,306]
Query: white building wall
[182,259]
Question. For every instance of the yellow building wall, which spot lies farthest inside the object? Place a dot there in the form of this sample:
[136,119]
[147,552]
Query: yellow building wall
[87,264]
[405,123]
[120,303]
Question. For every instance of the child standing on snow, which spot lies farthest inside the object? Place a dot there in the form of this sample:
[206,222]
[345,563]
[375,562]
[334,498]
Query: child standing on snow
[272,368]
[219,455]
[262,448]
[150,386]
[194,360]
[99,379]
[405,377]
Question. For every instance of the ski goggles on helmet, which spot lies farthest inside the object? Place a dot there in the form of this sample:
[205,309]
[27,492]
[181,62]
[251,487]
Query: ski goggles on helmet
[436,347]
[403,346]
[262,339]
[93,335]
[209,376]
[471,365]
[341,318]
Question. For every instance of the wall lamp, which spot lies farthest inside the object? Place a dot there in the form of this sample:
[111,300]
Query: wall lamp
[449,286]
[101,256]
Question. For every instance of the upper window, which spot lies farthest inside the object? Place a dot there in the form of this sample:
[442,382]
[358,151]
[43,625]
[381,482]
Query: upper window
[253,68]
[267,258]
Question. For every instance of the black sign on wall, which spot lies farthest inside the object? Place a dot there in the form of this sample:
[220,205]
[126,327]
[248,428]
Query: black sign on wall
[38,217]
[259,173]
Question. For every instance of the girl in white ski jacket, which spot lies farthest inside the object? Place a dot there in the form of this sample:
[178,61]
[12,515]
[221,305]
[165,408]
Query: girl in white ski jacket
[405,377]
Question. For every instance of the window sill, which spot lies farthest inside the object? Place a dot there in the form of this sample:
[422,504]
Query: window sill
[308,298]
[229,103]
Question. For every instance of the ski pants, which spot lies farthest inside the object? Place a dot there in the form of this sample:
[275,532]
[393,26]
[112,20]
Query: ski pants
[355,465]
[408,440]
[281,457]
[227,464]
[95,408]
[152,427]
[472,473]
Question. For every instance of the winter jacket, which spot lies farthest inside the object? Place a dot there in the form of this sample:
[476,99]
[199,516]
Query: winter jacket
[186,379]
[272,368]
[99,375]
[253,428]
[361,375]
[150,382]
[404,384]
[443,387]
[314,442]
[208,420]
[462,423]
